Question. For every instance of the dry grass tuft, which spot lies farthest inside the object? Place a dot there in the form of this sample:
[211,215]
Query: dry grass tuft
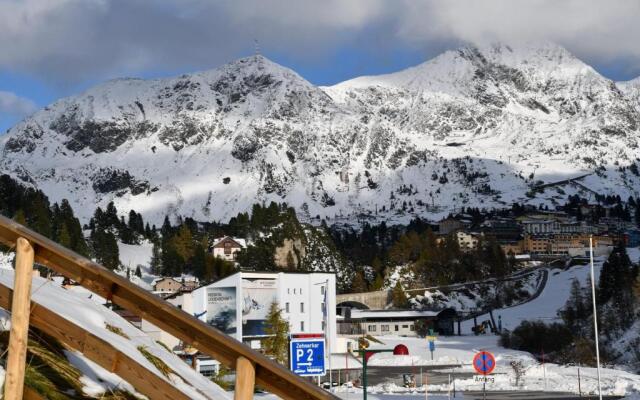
[158,363]
[116,330]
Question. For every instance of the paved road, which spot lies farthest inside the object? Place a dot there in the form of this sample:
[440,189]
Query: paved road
[436,375]
[526,395]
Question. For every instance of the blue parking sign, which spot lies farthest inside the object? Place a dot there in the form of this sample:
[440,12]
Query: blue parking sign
[307,356]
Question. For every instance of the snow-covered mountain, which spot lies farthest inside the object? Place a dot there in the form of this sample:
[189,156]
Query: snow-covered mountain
[480,126]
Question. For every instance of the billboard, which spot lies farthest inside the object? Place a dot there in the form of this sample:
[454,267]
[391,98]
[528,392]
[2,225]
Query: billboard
[221,309]
[258,294]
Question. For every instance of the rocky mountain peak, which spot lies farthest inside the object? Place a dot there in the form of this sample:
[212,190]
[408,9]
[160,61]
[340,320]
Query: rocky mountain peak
[477,126]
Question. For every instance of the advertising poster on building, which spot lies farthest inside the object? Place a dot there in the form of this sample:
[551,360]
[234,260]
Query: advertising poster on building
[221,309]
[258,295]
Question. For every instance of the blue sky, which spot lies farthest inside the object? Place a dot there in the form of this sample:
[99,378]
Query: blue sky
[54,48]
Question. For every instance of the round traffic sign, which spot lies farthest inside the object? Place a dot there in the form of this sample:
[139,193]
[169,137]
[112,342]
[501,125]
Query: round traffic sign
[484,363]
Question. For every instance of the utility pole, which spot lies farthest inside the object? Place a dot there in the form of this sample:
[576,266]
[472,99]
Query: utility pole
[595,315]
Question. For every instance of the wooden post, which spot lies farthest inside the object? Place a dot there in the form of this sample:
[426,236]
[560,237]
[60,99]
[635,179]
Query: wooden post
[20,310]
[245,379]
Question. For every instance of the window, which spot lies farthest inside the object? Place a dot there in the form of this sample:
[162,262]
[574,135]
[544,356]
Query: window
[371,328]
[412,328]
[384,328]
[397,328]
[321,289]
[322,307]
[301,326]
[288,291]
[301,307]
[286,306]
[294,290]
[405,326]
[227,247]
[300,290]
[324,325]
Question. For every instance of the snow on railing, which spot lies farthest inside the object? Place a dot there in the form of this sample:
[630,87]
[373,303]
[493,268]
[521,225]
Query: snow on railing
[251,367]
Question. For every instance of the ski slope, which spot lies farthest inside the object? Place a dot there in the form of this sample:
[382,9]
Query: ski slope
[545,307]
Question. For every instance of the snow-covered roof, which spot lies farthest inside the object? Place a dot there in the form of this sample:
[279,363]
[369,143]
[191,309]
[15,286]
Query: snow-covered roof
[240,241]
[372,314]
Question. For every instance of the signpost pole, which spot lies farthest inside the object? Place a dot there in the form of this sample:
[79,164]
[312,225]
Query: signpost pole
[579,388]
[364,375]
[484,388]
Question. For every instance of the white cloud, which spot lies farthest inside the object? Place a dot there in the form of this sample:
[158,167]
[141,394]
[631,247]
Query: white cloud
[598,30]
[72,40]
[13,105]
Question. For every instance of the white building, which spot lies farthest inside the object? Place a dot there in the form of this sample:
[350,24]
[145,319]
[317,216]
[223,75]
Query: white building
[467,241]
[238,304]
[227,247]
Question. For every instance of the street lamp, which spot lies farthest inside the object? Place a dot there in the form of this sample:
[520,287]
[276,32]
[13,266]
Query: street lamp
[595,315]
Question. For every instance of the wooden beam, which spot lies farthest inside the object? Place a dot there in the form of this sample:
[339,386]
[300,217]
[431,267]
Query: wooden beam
[98,351]
[245,379]
[20,307]
[270,375]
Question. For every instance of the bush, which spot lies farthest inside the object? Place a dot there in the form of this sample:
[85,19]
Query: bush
[537,337]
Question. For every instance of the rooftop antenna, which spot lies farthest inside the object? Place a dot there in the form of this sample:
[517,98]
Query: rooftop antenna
[256,45]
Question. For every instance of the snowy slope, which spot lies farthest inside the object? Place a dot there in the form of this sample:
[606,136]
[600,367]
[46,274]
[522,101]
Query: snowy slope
[78,308]
[546,306]
[473,127]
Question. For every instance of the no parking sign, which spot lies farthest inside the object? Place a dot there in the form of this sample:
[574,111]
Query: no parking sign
[484,363]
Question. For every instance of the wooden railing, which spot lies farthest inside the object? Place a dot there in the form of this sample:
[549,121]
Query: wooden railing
[251,367]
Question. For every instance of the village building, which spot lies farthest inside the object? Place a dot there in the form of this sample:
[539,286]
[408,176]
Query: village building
[227,247]
[467,241]
[166,286]
[238,304]
[396,322]
[512,248]
[503,230]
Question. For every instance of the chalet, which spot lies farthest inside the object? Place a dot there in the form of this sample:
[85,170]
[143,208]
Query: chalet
[227,247]
[168,285]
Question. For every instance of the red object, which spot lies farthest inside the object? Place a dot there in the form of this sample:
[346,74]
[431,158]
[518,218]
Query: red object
[484,363]
[307,335]
[400,350]
[368,354]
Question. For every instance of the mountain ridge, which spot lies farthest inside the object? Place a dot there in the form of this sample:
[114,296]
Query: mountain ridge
[474,127]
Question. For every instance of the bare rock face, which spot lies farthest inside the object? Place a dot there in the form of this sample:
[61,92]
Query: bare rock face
[476,127]
[290,254]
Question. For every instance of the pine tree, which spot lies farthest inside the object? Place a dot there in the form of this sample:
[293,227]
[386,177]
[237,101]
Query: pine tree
[63,237]
[105,248]
[399,297]
[183,242]
[19,217]
[172,262]
[276,345]
[198,262]
[359,284]
[156,259]
[378,283]
[615,290]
